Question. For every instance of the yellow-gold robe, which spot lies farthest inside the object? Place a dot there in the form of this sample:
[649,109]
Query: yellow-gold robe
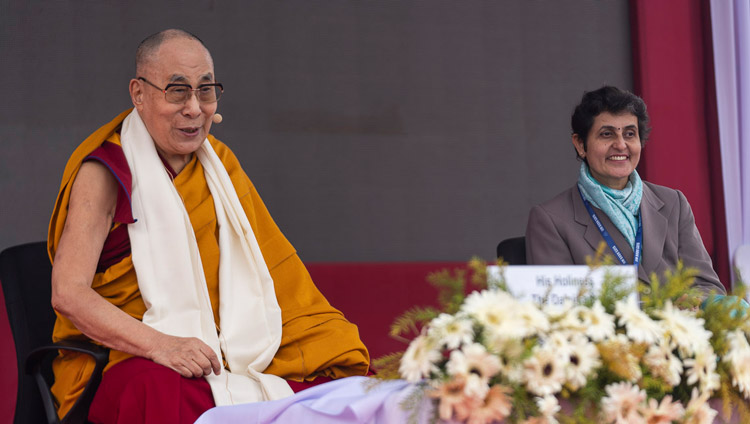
[316,338]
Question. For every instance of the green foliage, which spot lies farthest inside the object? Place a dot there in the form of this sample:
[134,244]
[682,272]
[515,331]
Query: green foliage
[601,257]
[479,276]
[523,405]
[588,398]
[614,289]
[451,286]
[412,403]
[412,321]
[655,387]
[740,404]
[677,289]
[387,366]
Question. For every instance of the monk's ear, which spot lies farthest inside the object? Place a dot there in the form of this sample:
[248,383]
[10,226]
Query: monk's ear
[136,93]
[578,144]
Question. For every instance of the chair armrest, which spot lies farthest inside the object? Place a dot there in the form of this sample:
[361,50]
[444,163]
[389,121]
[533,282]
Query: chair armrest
[79,412]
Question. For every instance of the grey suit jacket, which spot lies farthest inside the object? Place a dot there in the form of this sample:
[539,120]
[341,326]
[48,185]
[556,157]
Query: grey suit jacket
[561,232]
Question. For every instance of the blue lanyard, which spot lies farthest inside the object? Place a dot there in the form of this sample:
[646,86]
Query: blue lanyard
[608,238]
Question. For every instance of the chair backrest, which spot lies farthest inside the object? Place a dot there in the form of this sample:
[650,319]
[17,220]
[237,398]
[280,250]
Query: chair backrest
[25,273]
[513,250]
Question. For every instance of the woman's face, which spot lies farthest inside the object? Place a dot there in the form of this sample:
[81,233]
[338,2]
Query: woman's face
[613,148]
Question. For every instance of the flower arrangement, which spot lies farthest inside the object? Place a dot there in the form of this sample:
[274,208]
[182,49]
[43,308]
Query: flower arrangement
[488,357]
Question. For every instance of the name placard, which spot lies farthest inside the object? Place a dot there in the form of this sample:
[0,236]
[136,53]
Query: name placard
[554,284]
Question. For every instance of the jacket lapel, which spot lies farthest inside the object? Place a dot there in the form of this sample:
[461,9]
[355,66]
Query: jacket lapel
[654,232]
[590,233]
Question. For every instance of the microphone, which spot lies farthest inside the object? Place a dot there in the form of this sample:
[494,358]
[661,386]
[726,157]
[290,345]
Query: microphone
[217,118]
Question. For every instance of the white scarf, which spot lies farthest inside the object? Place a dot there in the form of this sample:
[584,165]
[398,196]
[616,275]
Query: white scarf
[170,275]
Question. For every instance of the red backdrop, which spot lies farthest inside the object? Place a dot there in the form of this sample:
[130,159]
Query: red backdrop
[673,72]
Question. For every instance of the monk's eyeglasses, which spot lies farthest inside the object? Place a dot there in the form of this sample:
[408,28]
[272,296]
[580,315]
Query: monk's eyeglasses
[180,93]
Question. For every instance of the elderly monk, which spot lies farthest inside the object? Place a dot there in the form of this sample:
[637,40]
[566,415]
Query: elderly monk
[163,251]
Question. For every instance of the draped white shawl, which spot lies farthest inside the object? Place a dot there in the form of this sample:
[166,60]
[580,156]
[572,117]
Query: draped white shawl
[171,280]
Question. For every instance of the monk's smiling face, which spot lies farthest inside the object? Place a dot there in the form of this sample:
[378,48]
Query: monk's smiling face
[178,129]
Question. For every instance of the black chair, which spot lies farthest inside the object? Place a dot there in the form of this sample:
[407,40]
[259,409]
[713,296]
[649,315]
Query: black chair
[25,273]
[513,250]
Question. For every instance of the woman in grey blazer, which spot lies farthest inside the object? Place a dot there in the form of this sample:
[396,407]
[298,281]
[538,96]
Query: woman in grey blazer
[611,204]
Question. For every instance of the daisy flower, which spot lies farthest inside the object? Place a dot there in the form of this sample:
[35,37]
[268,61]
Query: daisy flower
[548,407]
[698,411]
[452,331]
[738,358]
[544,371]
[530,317]
[622,403]
[664,412]
[583,359]
[419,359]
[475,365]
[494,309]
[638,325]
[452,402]
[509,353]
[595,322]
[576,319]
[664,364]
[684,330]
[702,370]
[504,317]
[601,325]
[559,341]
[495,408]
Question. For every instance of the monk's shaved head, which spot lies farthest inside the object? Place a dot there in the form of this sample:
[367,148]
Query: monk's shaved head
[150,46]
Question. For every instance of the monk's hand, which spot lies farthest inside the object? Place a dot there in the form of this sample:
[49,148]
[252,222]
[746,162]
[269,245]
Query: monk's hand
[189,356]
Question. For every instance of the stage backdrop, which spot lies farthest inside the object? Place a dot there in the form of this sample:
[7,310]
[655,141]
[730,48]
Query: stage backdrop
[375,131]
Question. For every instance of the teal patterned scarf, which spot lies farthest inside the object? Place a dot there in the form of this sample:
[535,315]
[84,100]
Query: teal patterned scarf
[621,206]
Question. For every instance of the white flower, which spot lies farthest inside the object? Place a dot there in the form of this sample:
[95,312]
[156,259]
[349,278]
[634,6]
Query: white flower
[702,370]
[559,341]
[738,358]
[638,325]
[601,325]
[663,413]
[544,371]
[419,359]
[622,403]
[451,331]
[502,316]
[738,345]
[583,359]
[509,352]
[575,319]
[684,330]
[476,366]
[548,407]
[532,318]
[493,309]
[698,411]
[595,322]
[664,364]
